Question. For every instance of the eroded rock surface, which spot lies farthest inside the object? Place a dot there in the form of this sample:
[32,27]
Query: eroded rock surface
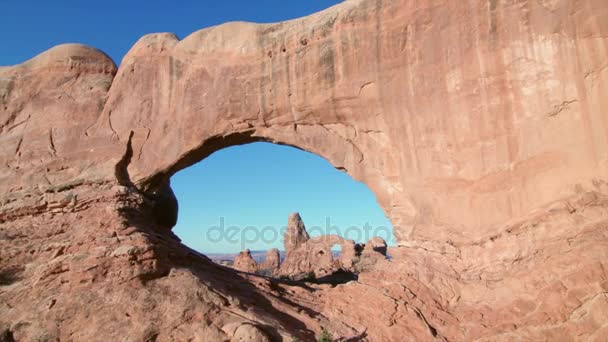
[480,126]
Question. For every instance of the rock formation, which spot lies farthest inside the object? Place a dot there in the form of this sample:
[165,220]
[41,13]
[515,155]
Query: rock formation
[271,263]
[480,126]
[295,234]
[375,245]
[313,257]
[245,262]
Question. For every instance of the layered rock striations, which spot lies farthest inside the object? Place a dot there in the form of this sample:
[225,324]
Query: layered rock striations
[481,127]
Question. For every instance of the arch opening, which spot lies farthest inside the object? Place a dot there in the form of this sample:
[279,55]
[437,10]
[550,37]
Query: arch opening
[336,250]
[238,198]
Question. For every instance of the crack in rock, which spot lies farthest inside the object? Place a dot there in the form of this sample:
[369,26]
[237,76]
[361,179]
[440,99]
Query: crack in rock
[558,108]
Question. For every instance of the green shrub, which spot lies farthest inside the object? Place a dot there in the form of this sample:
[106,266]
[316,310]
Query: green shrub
[325,336]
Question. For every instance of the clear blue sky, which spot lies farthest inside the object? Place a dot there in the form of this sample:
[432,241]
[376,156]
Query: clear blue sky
[254,185]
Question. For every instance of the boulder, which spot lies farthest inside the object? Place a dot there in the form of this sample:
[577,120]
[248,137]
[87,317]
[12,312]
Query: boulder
[249,333]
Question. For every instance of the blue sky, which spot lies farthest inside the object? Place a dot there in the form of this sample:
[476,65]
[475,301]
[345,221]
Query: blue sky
[249,188]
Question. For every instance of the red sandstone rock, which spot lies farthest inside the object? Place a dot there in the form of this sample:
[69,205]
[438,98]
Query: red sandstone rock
[375,245]
[249,333]
[296,234]
[479,125]
[245,262]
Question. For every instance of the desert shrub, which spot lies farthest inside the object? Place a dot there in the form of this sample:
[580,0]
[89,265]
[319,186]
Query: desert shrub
[325,336]
[265,273]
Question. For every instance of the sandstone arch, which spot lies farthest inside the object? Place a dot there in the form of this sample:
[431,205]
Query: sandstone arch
[330,139]
[327,85]
[336,96]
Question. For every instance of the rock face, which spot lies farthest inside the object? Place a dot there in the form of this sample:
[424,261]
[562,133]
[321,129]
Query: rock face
[481,127]
[245,262]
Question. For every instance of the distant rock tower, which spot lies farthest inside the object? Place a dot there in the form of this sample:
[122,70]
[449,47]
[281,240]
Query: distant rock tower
[272,262]
[245,262]
[296,234]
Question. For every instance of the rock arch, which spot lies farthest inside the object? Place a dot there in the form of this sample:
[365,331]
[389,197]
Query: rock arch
[327,84]
[337,96]
[187,105]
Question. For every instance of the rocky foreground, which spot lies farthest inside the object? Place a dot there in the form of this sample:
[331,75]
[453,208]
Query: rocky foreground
[481,126]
